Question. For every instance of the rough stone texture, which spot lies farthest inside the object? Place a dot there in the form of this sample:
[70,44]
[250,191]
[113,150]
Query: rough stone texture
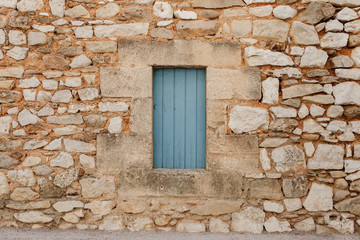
[346,93]
[317,11]
[276,30]
[259,57]
[288,158]
[313,57]
[327,157]
[265,189]
[217,208]
[304,34]
[247,119]
[295,187]
[123,30]
[197,28]
[250,220]
[319,198]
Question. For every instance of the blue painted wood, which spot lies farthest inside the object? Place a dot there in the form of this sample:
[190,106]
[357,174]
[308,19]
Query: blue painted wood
[179,118]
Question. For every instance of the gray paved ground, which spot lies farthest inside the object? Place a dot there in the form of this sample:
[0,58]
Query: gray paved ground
[57,234]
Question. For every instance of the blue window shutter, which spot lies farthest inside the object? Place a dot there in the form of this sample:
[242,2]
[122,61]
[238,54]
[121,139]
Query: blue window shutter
[179,118]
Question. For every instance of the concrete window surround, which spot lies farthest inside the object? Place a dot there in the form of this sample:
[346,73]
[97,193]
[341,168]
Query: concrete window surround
[228,157]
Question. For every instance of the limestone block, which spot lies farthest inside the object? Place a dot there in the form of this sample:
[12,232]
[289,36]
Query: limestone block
[141,115]
[23,194]
[161,33]
[67,206]
[141,53]
[301,90]
[217,207]
[126,82]
[270,206]
[197,28]
[64,160]
[346,93]
[100,207]
[313,57]
[216,3]
[284,12]
[96,187]
[112,223]
[4,186]
[334,40]
[30,5]
[260,57]
[241,28]
[295,187]
[78,146]
[101,46]
[274,225]
[65,119]
[141,223]
[218,226]
[276,30]
[288,158]
[190,227]
[107,11]
[305,225]
[57,7]
[304,34]
[316,12]
[270,91]
[78,11]
[351,205]
[138,14]
[7,162]
[327,157]
[115,125]
[121,30]
[319,198]
[234,84]
[353,74]
[247,119]
[266,189]
[250,220]
[33,217]
[122,151]
[66,178]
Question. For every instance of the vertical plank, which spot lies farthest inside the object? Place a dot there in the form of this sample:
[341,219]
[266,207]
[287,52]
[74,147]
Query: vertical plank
[201,118]
[179,115]
[190,119]
[157,123]
[168,117]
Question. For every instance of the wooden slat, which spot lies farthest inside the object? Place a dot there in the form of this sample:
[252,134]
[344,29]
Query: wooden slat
[179,118]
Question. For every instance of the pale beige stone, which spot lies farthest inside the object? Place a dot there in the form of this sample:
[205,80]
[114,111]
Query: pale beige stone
[218,207]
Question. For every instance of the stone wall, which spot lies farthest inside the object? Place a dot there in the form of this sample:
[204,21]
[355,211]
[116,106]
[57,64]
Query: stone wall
[283,115]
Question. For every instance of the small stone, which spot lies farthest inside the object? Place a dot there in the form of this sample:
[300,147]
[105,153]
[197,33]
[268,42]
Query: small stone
[78,146]
[33,217]
[110,10]
[288,158]
[113,107]
[310,126]
[327,157]
[65,179]
[316,111]
[8,3]
[57,7]
[304,34]
[7,162]
[341,61]
[4,186]
[273,142]
[77,12]
[274,225]
[270,90]
[262,11]
[25,118]
[101,46]
[284,12]
[190,227]
[273,207]
[163,10]
[352,27]
[100,207]
[62,96]
[260,57]
[319,198]
[255,118]
[96,187]
[87,161]
[112,223]
[17,37]
[346,14]
[309,149]
[313,57]
[334,40]
[316,12]
[32,82]
[352,166]
[46,111]
[55,62]
[209,14]
[80,61]
[197,28]
[88,94]
[264,159]
[282,112]
[303,111]
[64,160]
[138,14]
[346,93]
[276,30]
[23,194]
[67,206]
[29,5]
[31,161]
[140,223]
[292,204]
[295,187]
[188,15]
[161,33]
[115,125]
[305,225]
[241,28]
[218,226]
[73,82]
[334,26]
[250,220]
[65,119]
[42,170]
[83,32]
[37,38]
[18,53]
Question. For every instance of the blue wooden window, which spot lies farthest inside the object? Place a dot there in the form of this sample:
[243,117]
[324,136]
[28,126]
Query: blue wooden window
[179,118]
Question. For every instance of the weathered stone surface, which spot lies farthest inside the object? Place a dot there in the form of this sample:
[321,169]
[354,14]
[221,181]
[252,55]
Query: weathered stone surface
[97,187]
[57,7]
[15,72]
[55,62]
[249,2]
[295,187]
[131,207]
[23,177]
[316,12]
[320,99]
[121,30]
[319,198]
[190,227]
[29,206]
[101,46]
[197,28]
[8,3]
[7,162]
[304,34]
[276,30]
[284,12]
[334,40]
[327,157]
[64,160]
[100,207]
[292,204]
[262,11]
[145,53]
[209,14]
[349,205]
[4,186]
[353,74]
[270,206]
[249,220]
[48,190]
[274,225]
[334,26]
[247,119]
[283,125]
[352,27]
[110,10]
[218,207]
[72,51]
[341,61]
[78,146]
[260,57]
[283,112]
[29,5]
[23,194]
[218,226]
[112,223]
[161,33]
[62,96]
[80,61]
[270,90]
[313,57]
[67,206]
[305,225]
[78,11]
[83,32]
[346,93]
[33,217]
[140,223]
[265,189]
[64,179]
[42,170]
[241,28]
[288,158]
[301,90]
[115,125]
[139,14]
[88,94]
[65,119]
[216,3]
[235,84]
